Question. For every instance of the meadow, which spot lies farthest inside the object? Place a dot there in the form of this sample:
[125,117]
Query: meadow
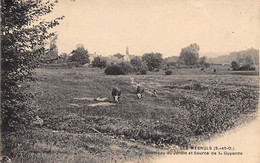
[190,106]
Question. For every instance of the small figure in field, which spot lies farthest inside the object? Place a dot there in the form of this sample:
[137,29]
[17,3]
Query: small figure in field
[139,91]
[215,70]
[132,80]
[154,92]
[116,92]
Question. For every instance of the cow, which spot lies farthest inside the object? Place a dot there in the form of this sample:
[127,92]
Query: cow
[139,91]
[116,92]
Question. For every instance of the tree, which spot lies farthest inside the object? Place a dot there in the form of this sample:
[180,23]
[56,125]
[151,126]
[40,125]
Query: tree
[190,54]
[64,57]
[234,65]
[22,39]
[99,62]
[202,60]
[248,60]
[52,54]
[126,67]
[119,56]
[138,64]
[80,55]
[153,60]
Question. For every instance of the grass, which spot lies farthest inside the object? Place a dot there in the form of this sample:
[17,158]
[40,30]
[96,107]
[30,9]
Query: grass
[188,108]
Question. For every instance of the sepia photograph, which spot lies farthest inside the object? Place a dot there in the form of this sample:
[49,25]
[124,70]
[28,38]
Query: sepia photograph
[132,81]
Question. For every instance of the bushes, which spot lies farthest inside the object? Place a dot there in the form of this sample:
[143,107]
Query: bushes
[168,72]
[138,64]
[127,68]
[99,62]
[122,68]
[143,72]
[79,55]
[153,60]
[246,68]
[236,67]
[114,70]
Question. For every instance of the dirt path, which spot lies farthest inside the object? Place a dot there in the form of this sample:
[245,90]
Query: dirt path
[244,138]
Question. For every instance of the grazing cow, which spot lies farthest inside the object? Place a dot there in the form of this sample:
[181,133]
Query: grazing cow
[139,91]
[116,92]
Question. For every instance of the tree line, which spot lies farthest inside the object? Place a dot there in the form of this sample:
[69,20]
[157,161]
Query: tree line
[189,56]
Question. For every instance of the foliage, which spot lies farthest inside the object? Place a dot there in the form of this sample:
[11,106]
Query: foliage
[143,72]
[234,65]
[249,56]
[168,72]
[202,62]
[119,56]
[153,60]
[80,55]
[114,70]
[207,65]
[52,54]
[122,68]
[23,40]
[63,57]
[126,67]
[190,54]
[138,64]
[247,67]
[246,61]
[99,62]
[22,45]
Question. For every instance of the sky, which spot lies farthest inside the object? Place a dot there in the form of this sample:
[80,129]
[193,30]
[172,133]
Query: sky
[107,27]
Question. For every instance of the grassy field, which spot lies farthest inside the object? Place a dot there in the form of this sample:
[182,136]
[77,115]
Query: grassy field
[188,108]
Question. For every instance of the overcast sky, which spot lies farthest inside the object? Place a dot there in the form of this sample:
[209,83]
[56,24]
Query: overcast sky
[166,26]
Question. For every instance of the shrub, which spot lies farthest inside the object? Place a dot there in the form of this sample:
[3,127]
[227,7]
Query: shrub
[207,65]
[153,60]
[99,62]
[79,55]
[168,72]
[127,68]
[114,70]
[122,68]
[138,64]
[234,65]
[246,68]
[143,72]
